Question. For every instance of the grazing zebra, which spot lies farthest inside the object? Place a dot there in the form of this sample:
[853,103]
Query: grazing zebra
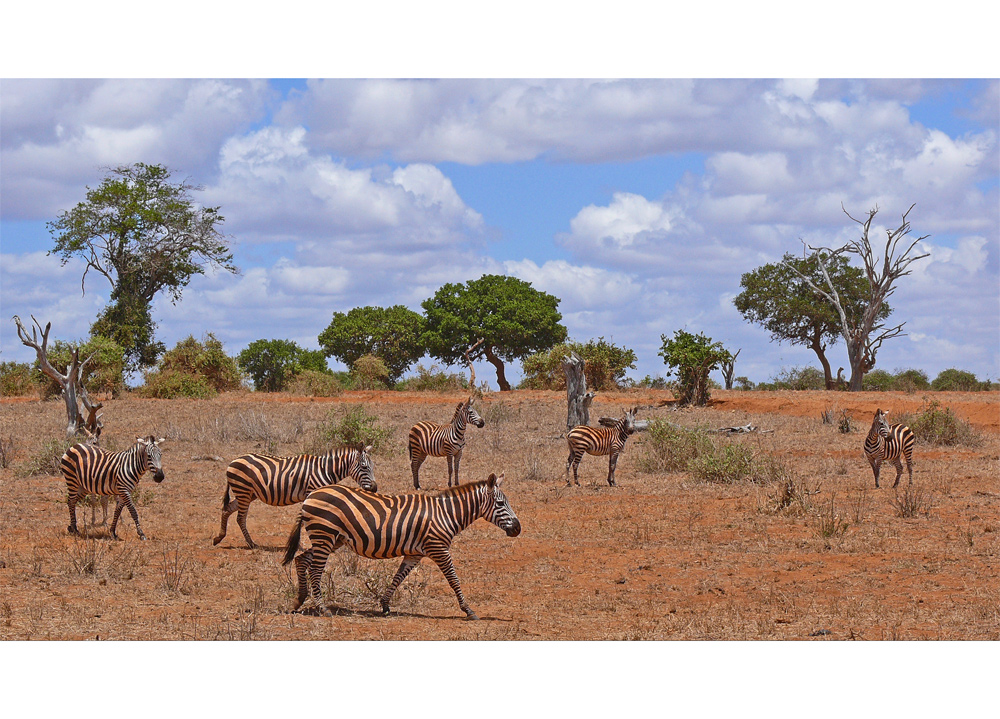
[888,443]
[599,441]
[429,439]
[91,470]
[378,526]
[280,481]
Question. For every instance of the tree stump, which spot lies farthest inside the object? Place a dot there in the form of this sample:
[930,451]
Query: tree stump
[578,399]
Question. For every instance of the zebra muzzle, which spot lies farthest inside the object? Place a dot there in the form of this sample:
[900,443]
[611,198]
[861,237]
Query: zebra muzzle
[513,529]
[158,477]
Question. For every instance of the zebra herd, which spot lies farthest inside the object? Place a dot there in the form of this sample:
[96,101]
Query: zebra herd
[379,526]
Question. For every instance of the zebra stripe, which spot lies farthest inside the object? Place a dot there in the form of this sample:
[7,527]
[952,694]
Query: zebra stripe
[411,526]
[429,439]
[599,441]
[91,470]
[885,443]
[280,481]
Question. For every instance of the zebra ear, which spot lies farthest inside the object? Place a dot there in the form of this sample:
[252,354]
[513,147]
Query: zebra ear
[141,440]
[160,441]
[368,449]
[491,481]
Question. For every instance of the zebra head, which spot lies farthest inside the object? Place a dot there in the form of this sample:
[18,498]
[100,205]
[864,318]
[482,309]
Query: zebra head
[154,459]
[471,415]
[880,425]
[628,421]
[361,469]
[501,514]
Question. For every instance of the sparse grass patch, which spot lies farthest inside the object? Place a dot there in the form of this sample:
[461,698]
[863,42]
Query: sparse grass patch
[47,459]
[175,571]
[830,524]
[7,451]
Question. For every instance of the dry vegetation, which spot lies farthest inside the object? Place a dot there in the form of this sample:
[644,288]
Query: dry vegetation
[807,548]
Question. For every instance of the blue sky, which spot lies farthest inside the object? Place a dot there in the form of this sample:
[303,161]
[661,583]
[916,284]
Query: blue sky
[638,202]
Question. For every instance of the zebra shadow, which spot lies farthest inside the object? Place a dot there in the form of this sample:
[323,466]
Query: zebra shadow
[245,548]
[377,614]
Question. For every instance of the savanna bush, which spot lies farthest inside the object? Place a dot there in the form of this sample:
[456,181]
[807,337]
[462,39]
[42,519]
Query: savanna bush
[16,379]
[796,378]
[433,379]
[669,448]
[370,372]
[356,426]
[310,383]
[199,370]
[604,365]
[956,380]
[878,380]
[105,372]
[912,380]
[937,425]
[175,384]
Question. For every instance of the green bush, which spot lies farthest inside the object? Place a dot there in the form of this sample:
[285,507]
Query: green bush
[937,425]
[16,379]
[370,372]
[738,463]
[878,380]
[669,448]
[433,379]
[174,384]
[912,380]
[796,378]
[310,383]
[206,359]
[956,380]
[604,365]
[356,426]
[650,382]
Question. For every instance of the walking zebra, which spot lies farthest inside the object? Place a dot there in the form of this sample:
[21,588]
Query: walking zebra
[429,439]
[280,481]
[888,443]
[411,526]
[91,470]
[599,441]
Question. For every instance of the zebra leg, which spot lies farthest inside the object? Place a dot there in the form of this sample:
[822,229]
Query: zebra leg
[71,500]
[458,459]
[415,463]
[875,463]
[450,464]
[909,468]
[227,512]
[135,514]
[302,563]
[241,519]
[442,558]
[114,521]
[612,463]
[575,461]
[899,472]
[104,510]
[404,569]
[320,553]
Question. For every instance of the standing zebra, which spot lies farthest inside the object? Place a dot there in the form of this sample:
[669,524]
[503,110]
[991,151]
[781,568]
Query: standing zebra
[91,470]
[442,440]
[411,526]
[280,481]
[888,443]
[599,441]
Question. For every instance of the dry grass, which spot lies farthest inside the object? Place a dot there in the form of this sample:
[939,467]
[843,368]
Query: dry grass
[666,555]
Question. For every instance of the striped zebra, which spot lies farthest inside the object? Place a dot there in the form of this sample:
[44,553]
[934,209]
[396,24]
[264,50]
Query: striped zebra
[599,441]
[378,526]
[280,481]
[429,439]
[90,470]
[885,443]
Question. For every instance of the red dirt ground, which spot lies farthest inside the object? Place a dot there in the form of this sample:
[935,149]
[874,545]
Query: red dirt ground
[661,556]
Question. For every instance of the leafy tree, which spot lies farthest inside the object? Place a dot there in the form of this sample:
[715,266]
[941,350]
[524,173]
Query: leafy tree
[145,235]
[512,318]
[272,364]
[392,334]
[775,298]
[604,365]
[692,357]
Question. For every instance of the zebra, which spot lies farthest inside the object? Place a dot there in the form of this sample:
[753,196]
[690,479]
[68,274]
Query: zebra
[888,443]
[91,470]
[411,526]
[599,441]
[429,439]
[280,481]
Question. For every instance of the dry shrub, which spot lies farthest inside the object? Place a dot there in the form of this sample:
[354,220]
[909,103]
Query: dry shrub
[669,448]
[310,383]
[370,372]
[7,451]
[356,426]
[47,459]
[938,425]
[912,501]
[433,379]
[830,524]
[738,463]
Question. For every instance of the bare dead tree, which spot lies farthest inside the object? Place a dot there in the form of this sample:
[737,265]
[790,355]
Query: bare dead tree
[864,335]
[472,370]
[73,391]
[578,399]
[727,368]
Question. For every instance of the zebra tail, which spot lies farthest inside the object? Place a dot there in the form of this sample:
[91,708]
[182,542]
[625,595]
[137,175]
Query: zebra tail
[293,542]
[225,498]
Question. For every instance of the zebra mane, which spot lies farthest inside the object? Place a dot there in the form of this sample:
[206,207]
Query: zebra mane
[458,411]
[468,488]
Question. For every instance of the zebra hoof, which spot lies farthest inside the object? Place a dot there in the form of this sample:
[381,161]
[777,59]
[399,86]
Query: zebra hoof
[216,541]
[385,610]
[72,530]
[471,616]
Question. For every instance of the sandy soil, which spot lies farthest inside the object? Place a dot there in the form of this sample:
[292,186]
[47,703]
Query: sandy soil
[661,556]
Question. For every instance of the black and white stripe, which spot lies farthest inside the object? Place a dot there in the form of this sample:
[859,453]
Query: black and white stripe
[411,526]
[599,441]
[885,443]
[429,439]
[280,481]
[90,470]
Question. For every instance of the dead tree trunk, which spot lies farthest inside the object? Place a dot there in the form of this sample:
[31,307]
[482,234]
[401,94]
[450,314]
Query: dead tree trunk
[578,399]
[73,391]
[727,369]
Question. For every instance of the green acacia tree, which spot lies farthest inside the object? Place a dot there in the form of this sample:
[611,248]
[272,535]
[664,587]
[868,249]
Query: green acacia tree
[145,235]
[392,334]
[604,365]
[512,318]
[273,364]
[775,298]
[692,357]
